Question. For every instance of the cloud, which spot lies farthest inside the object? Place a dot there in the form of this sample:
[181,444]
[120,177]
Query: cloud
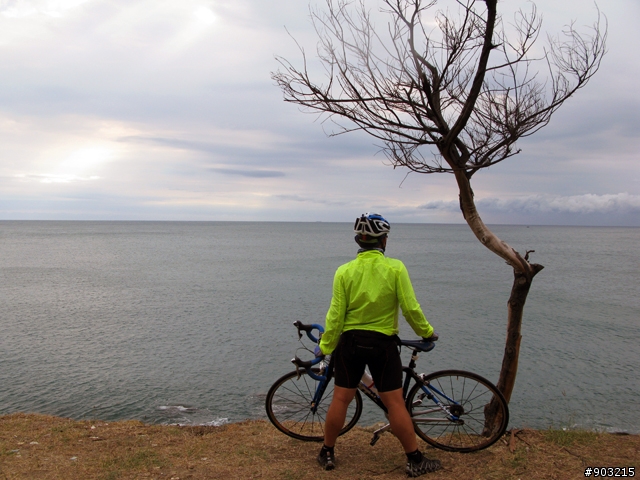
[218,139]
[53,178]
[449,206]
[26,8]
[302,199]
[621,203]
[248,172]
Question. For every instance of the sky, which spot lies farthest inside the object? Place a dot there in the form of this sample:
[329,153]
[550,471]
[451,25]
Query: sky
[166,110]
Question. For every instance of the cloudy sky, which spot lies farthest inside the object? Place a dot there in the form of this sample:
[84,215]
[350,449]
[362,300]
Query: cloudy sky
[165,110]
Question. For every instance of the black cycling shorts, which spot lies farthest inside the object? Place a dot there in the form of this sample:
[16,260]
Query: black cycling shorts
[380,352]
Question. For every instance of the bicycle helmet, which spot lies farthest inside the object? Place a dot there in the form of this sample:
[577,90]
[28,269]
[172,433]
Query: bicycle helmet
[371,225]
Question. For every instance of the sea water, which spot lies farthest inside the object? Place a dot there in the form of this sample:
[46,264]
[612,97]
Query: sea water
[177,322]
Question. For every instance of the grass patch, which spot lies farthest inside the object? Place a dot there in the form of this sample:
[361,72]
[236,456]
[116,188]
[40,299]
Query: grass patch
[518,461]
[567,437]
[290,475]
[138,460]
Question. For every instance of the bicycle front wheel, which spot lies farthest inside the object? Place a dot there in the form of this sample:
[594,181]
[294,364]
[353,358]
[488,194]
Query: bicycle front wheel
[289,407]
[458,411]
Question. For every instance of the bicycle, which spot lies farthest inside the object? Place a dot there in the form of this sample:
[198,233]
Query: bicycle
[452,410]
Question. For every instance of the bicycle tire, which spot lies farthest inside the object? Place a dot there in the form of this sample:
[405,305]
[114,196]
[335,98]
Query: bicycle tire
[288,406]
[472,395]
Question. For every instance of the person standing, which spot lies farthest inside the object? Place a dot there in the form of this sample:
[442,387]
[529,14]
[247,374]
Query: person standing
[361,330]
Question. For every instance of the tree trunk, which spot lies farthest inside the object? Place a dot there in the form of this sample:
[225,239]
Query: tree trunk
[523,276]
[515,308]
[519,291]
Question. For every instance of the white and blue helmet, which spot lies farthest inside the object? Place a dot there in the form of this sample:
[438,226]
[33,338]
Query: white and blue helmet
[371,224]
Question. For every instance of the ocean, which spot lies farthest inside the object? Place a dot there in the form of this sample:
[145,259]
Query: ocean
[191,322]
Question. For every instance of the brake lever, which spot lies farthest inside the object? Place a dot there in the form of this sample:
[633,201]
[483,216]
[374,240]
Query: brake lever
[297,324]
[295,361]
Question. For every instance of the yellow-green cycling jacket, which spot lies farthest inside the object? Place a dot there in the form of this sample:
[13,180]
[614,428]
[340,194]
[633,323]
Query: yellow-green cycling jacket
[366,295]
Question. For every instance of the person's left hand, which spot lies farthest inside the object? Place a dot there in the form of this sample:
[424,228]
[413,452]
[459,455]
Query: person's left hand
[317,352]
[433,338]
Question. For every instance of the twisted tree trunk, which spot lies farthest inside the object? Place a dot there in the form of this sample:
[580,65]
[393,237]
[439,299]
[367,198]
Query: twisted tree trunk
[523,276]
[519,291]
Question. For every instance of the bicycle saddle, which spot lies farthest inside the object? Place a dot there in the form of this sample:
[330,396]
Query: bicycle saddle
[419,345]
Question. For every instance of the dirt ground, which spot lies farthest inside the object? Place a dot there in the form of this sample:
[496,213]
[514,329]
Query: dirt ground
[44,447]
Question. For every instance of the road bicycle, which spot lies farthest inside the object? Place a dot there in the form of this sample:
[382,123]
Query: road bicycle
[452,410]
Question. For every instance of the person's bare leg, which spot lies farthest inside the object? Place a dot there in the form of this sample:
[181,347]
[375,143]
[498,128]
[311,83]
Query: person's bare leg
[338,413]
[400,420]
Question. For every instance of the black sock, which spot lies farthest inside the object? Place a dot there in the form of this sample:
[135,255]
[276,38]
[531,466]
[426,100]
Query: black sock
[326,449]
[415,457]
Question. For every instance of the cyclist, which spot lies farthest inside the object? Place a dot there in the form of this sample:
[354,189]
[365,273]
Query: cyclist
[361,329]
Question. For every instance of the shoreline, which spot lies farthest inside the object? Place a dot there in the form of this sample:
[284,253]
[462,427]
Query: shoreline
[41,446]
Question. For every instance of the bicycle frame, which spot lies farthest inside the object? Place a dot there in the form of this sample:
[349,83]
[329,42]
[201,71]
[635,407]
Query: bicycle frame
[326,374]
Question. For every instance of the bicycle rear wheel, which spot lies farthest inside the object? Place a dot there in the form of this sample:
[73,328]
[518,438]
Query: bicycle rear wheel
[472,414]
[288,407]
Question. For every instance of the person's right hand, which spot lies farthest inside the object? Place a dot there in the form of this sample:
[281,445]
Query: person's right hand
[317,352]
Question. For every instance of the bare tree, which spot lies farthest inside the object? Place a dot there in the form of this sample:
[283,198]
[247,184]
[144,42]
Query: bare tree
[447,90]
